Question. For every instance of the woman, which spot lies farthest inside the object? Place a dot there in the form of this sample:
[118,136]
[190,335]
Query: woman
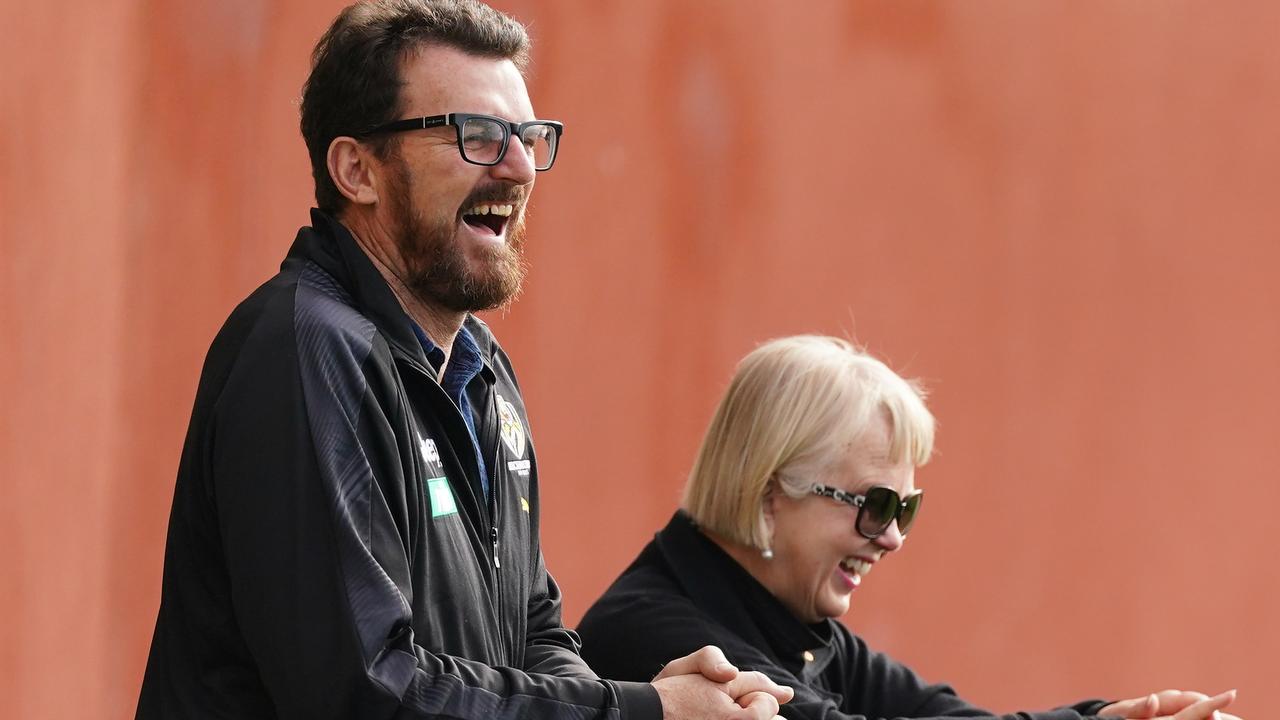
[805,480]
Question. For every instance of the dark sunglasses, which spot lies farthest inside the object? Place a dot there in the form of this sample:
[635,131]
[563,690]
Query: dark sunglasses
[877,508]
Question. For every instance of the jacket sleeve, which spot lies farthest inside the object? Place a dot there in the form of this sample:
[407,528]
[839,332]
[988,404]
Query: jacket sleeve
[877,686]
[552,648]
[298,451]
[632,630]
[549,646]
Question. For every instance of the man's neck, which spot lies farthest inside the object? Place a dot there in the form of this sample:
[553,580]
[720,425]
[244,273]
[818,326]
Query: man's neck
[441,325]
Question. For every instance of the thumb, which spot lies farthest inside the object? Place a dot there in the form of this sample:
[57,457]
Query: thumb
[709,662]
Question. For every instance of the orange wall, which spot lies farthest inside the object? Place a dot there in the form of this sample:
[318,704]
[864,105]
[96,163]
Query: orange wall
[1062,215]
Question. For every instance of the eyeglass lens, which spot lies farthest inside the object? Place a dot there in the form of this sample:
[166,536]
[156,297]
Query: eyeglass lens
[484,140]
[881,507]
[908,514]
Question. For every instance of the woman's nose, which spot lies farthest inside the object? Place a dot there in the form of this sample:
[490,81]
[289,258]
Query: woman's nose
[891,539]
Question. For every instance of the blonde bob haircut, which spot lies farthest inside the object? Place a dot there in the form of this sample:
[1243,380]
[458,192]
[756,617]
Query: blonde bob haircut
[793,407]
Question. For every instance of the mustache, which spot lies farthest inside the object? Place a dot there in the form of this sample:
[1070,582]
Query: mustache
[501,193]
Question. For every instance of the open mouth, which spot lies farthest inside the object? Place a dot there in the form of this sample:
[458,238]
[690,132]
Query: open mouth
[855,566]
[852,570]
[489,217]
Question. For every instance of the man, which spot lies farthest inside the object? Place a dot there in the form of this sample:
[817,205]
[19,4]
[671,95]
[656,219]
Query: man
[354,531]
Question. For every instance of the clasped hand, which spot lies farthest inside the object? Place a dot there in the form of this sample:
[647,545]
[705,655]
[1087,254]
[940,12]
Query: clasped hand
[706,686]
[1173,705]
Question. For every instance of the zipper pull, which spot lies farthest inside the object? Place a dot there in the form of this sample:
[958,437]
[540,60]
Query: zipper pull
[493,535]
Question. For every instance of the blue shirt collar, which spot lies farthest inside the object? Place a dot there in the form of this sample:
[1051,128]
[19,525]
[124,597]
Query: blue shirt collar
[465,361]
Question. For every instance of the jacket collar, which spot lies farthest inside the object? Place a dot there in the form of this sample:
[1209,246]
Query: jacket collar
[726,591]
[329,244]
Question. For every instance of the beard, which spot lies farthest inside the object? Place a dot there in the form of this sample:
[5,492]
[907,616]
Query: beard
[436,267]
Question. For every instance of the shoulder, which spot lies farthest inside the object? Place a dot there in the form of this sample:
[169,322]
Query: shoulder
[325,315]
[301,304]
[299,325]
[645,620]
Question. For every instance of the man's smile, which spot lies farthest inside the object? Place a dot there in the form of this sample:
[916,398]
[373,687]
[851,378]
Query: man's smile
[489,217]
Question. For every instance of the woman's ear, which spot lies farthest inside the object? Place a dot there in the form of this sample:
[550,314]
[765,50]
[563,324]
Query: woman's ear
[768,504]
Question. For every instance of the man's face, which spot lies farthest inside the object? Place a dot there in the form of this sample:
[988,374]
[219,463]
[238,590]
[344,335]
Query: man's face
[458,227]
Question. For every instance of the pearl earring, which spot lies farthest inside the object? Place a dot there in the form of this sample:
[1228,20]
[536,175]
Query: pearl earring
[767,553]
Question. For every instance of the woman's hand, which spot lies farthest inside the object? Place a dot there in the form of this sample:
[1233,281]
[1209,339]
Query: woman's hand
[1173,705]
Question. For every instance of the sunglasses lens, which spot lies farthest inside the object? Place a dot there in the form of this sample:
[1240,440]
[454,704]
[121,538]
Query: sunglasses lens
[909,512]
[878,511]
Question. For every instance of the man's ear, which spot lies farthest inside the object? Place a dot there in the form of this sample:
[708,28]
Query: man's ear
[354,170]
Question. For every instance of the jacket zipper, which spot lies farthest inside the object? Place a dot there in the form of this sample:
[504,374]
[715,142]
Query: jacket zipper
[493,510]
[493,481]
[497,564]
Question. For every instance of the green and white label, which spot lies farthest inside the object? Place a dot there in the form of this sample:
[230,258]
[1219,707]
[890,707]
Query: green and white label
[441,497]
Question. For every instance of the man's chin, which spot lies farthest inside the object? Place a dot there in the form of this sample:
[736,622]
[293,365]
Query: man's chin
[467,270]
[471,292]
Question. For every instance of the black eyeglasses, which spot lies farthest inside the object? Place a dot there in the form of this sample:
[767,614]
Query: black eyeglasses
[483,139]
[877,508]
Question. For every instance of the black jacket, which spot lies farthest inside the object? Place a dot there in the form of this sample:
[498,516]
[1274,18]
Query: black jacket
[330,552]
[684,592]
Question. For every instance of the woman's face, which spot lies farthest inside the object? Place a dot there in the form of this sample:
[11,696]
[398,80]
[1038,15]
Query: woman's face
[819,558]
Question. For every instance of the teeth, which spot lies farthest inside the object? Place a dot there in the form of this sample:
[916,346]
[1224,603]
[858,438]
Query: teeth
[856,566]
[499,210]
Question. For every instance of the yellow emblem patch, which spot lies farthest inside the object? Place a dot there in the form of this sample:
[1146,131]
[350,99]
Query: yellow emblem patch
[511,429]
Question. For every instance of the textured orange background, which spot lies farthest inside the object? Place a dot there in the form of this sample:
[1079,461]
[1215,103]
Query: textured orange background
[1062,215]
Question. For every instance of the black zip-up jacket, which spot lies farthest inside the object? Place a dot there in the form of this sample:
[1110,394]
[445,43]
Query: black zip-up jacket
[330,551]
[684,592]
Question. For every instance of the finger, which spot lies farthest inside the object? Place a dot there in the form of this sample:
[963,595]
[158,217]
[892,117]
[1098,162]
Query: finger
[1143,707]
[1206,709]
[1171,701]
[749,682]
[709,662]
[756,706]
[756,698]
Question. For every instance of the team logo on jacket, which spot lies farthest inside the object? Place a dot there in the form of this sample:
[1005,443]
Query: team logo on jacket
[430,455]
[512,428]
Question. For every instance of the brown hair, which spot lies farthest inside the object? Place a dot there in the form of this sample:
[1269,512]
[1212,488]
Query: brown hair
[355,83]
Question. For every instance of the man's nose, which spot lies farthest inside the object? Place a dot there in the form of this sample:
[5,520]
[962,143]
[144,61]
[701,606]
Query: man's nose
[516,165]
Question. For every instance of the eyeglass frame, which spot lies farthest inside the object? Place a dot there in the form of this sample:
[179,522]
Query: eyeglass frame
[457,120]
[860,501]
